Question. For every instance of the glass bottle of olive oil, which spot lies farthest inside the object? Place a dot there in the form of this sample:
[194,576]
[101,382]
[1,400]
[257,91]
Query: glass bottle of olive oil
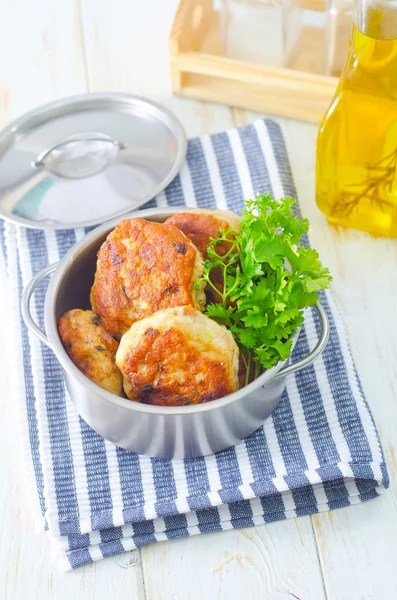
[357,143]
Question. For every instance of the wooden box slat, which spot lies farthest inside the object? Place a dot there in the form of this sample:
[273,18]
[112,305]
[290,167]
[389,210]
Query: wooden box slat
[199,70]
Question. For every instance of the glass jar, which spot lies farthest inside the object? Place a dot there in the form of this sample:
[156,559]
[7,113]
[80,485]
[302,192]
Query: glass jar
[338,28]
[264,31]
[356,172]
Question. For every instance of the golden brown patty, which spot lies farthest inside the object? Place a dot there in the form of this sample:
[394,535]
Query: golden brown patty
[178,356]
[143,267]
[91,348]
[200,226]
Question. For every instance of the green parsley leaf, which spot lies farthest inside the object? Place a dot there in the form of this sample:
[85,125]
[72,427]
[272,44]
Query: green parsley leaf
[220,313]
[269,279]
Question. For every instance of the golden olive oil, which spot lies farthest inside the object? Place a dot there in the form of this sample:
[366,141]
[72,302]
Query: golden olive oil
[356,168]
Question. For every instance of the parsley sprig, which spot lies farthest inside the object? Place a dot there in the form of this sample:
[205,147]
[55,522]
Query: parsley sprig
[268,280]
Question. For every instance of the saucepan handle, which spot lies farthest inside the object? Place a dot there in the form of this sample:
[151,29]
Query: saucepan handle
[319,347]
[26,303]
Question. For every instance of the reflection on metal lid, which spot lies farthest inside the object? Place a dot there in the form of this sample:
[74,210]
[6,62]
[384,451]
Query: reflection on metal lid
[84,160]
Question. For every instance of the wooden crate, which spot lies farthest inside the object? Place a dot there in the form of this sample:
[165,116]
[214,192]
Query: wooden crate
[198,69]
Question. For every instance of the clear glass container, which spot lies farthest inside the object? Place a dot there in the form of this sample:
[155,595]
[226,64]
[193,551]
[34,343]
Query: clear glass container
[356,184]
[261,31]
[338,28]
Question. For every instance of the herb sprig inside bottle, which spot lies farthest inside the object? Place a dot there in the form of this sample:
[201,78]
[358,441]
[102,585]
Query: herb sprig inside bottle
[268,281]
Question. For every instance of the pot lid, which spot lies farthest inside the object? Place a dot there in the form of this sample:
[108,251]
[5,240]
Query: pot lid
[83,160]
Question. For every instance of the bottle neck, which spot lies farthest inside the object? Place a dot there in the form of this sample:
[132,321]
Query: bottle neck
[376,18]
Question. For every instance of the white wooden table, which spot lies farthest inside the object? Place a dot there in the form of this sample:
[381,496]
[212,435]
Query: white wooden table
[50,49]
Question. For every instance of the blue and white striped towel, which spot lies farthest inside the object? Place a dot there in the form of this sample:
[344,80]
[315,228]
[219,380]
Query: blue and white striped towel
[319,450]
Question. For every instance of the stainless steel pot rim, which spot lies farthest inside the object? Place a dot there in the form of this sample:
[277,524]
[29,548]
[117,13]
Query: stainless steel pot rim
[29,119]
[54,341]
[70,368]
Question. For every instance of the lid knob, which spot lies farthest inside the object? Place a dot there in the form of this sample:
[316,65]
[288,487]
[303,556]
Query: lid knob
[79,156]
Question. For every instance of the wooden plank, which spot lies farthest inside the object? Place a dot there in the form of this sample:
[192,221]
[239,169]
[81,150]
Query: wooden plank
[319,5]
[41,49]
[151,77]
[28,568]
[356,545]
[42,59]
[273,562]
[271,100]
[240,71]
[190,25]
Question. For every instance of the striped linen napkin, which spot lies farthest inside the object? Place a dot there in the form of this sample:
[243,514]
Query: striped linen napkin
[318,451]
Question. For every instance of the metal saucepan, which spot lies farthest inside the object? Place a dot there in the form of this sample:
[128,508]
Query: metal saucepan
[161,431]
